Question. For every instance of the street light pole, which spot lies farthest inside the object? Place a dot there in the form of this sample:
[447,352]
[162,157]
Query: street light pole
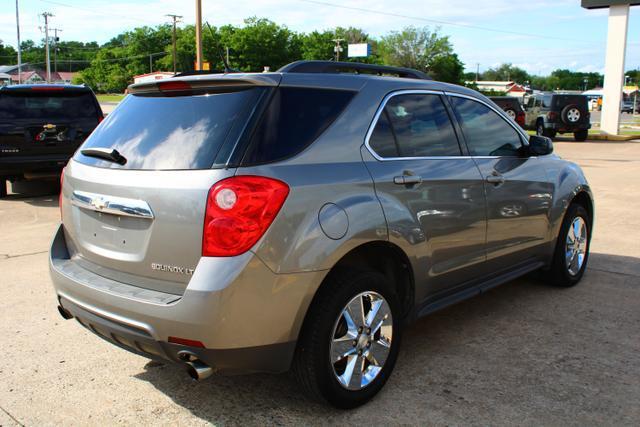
[198,35]
[46,41]
[173,38]
[19,48]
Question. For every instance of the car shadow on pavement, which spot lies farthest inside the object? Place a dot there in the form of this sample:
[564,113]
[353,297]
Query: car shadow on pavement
[469,360]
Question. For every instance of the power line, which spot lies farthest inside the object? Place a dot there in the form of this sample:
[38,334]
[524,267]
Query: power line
[93,11]
[440,22]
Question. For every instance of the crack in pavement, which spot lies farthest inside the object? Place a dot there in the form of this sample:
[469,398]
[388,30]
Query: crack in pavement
[10,256]
[11,416]
[613,272]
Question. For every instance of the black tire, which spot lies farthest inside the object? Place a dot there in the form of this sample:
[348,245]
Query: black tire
[542,131]
[312,367]
[559,274]
[581,135]
[3,187]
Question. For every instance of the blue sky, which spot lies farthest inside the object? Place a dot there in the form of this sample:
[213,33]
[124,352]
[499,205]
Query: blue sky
[539,35]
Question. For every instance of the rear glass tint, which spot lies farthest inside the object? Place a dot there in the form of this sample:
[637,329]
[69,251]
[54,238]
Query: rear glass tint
[561,101]
[294,119]
[48,105]
[170,133]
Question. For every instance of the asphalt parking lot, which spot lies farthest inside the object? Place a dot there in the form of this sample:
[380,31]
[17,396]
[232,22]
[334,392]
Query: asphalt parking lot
[524,353]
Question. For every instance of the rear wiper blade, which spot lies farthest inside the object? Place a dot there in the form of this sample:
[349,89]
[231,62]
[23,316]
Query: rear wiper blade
[110,154]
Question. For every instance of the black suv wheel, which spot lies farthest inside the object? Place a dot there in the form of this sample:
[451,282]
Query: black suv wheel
[581,135]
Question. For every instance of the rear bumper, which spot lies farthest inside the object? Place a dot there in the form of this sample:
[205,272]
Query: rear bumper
[561,127]
[247,317]
[18,166]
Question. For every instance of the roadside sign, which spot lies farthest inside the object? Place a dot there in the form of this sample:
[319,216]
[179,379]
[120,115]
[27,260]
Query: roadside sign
[359,50]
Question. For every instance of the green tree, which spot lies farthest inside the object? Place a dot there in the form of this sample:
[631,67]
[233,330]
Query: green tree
[506,72]
[8,54]
[447,68]
[414,47]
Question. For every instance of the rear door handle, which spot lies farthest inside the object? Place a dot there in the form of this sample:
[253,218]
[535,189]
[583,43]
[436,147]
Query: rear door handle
[407,180]
[496,179]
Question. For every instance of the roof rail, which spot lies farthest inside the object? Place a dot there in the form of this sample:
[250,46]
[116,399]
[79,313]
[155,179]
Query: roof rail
[334,67]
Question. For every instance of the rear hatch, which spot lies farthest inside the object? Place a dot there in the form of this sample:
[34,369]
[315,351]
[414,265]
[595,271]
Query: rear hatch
[564,104]
[141,222]
[46,121]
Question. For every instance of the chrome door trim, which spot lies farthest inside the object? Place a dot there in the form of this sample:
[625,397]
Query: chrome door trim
[386,99]
[111,205]
[500,112]
[381,108]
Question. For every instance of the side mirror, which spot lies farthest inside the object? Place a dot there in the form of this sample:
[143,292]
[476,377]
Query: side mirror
[540,145]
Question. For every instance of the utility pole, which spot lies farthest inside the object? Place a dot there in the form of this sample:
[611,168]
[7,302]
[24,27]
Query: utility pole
[477,72]
[46,16]
[173,37]
[337,49]
[55,48]
[19,48]
[198,35]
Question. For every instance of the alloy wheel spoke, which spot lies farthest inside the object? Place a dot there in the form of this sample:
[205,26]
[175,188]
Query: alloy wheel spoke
[342,347]
[372,315]
[355,309]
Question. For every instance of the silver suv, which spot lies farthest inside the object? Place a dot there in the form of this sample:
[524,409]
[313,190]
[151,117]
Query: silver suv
[298,219]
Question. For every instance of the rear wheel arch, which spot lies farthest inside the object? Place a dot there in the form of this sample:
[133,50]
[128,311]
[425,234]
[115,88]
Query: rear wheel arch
[379,256]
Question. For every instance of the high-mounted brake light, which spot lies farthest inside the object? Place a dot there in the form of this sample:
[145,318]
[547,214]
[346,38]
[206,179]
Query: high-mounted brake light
[47,88]
[170,86]
[239,211]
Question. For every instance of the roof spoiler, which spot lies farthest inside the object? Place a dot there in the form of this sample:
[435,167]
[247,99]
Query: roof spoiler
[334,67]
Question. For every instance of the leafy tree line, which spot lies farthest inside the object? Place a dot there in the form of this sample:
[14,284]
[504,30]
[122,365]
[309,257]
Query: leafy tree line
[110,67]
[258,43]
[558,79]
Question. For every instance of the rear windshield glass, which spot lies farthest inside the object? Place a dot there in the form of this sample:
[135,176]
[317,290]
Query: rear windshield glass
[47,105]
[560,101]
[169,133]
[294,119]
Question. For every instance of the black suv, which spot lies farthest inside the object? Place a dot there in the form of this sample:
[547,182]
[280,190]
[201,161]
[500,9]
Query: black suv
[512,107]
[549,114]
[41,126]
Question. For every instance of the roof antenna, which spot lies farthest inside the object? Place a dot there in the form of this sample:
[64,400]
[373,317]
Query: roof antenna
[227,69]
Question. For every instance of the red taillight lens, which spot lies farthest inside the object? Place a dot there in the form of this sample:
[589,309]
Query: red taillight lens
[60,196]
[170,86]
[551,115]
[520,119]
[239,211]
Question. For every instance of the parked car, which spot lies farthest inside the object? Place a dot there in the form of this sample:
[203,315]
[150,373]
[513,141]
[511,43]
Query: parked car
[627,107]
[549,114]
[41,126]
[512,107]
[299,219]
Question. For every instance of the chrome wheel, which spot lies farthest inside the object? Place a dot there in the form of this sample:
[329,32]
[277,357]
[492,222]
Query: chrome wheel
[361,340]
[511,114]
[576,246]
[573,115]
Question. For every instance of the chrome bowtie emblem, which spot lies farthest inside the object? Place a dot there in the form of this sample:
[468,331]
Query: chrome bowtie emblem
[99,203]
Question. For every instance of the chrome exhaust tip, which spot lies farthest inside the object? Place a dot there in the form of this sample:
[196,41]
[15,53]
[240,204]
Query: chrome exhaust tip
[198,370]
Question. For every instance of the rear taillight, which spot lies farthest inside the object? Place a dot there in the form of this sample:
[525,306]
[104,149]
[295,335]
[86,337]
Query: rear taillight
[520,118]
[239,211]
[552,115]
[60,196]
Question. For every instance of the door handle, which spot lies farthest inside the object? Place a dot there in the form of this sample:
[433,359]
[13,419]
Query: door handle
[495,179]
[407,180]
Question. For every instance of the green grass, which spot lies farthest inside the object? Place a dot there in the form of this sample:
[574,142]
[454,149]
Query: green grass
[110,97]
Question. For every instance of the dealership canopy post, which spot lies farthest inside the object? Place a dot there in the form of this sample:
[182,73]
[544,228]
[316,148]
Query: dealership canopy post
[615,58]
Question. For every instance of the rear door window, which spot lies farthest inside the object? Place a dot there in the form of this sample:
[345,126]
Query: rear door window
[170,132]
[419,126]
[486,132]
[47,105]
[294,119]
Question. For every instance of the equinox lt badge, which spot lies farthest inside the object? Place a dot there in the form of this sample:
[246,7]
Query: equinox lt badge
[172,268]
